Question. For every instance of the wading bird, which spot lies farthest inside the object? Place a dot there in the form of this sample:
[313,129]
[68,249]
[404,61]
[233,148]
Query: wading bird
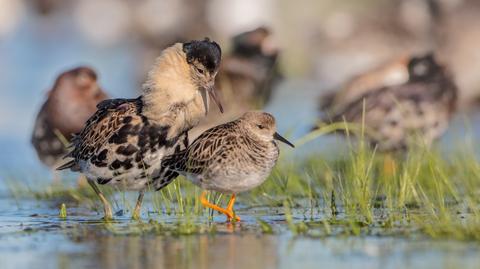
[230,158]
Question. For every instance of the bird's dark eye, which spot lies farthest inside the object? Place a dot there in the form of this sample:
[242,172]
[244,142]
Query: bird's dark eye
[260,126]
[200,71]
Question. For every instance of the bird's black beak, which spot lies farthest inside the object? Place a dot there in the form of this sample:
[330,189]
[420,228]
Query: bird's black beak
[281,138]
[213,94]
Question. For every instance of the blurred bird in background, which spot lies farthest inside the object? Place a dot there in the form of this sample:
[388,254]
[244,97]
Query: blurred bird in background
[353,40]
[251,72]
[247,77]
[70,102]
[392,73]
[393,114]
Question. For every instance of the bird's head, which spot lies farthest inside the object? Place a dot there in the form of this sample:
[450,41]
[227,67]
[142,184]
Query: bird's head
[73,99]
[203,58]
[263,126]
[258,42]
[183,75]
[78,84]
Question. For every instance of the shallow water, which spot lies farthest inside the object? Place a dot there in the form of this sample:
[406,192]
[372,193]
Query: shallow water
[32,235]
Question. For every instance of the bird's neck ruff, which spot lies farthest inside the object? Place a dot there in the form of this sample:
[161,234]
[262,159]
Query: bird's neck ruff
[170,95]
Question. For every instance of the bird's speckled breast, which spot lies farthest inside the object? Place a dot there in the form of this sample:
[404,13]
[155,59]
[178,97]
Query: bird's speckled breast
[242,170]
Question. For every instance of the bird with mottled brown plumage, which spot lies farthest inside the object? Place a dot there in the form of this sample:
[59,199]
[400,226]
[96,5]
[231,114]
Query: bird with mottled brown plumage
[71,101]
[390,73]
[230,158]
[417,111]
[125,141]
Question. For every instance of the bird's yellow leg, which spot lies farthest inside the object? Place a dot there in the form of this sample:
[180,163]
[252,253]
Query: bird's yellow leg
[106,205]
[138,206]
[389,165]
[206,203]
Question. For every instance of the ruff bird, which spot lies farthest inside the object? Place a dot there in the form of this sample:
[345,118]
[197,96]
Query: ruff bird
[70,103]
[230,158]
[419,108]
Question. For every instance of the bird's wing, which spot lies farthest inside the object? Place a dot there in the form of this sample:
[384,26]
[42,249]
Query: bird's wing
[106,124]
[205,149]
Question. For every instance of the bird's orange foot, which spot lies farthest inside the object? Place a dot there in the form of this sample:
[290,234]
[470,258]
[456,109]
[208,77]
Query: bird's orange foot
[231,217]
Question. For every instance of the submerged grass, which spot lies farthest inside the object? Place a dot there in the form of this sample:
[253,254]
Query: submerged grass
[422,192]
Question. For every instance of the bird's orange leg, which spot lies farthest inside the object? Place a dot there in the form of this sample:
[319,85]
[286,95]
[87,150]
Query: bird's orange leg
[230,207]
[389,165]
[228,212]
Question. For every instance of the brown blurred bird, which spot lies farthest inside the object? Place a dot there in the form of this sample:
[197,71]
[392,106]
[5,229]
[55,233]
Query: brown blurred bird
[251,68]
[247,77]
[422,107]
[392,73]
[70,103]
[124,142]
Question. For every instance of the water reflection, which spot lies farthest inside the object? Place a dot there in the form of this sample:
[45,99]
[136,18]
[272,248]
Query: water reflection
[89,245]
[274,251]
[202,252]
